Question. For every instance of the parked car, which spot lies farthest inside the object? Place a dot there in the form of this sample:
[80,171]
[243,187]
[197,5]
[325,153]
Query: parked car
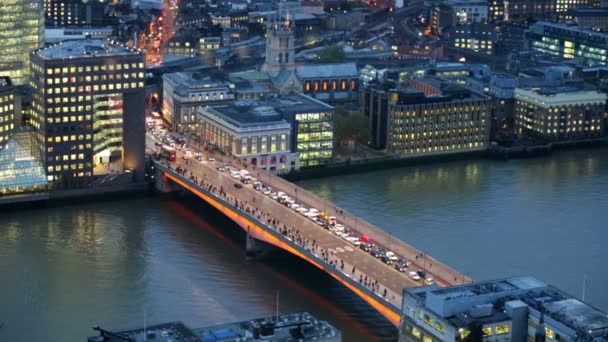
[238,185]
[414,275]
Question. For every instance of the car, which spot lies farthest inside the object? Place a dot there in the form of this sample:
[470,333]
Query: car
[391,256]
[266,191]
[220,168]
[414,275]
[257,185]
[238,185]
[211,159]
[400,266]
[421,273]
[235,175]
[158,143]
[385,259]
[376,252]
[365,247]
[198,156]
[429,281]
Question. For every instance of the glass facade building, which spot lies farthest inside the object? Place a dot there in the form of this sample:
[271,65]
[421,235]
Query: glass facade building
[21,31]
[7,109]
[21,168]
[569,42]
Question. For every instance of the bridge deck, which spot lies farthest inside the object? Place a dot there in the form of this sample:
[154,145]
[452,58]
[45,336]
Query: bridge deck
[329,251]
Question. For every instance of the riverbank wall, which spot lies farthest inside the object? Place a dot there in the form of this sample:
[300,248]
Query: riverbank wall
[361,165]
[55,198]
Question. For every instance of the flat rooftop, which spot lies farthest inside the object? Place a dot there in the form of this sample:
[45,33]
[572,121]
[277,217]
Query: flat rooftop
[85,48]
[166,332]
[292,327]
[483,288]
[296,327]
[247,113]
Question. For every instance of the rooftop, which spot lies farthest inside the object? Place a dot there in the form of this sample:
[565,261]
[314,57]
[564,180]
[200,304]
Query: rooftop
[297,327]
[192,81]
[293,327]
[85,48]
[248,114]
[327,70]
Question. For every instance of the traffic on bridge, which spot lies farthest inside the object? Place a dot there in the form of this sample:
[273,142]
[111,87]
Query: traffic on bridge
[365,259]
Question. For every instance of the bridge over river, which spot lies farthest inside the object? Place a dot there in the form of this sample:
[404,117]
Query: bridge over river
[268,222]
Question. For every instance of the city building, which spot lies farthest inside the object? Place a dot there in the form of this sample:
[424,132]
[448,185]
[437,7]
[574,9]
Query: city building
[279,60]
[559,114]
[88,108]
[456,72]
[511,309]
[374,104]
[183,44]
[595,19]
[434,116]
[208,45]
[22,31]
[442,17]
[501,88]
[312,127]
[476,37]
[56,35]
[329,82]
[21,166]
[185,92]
[292,327]
[7,110]
[76,13]
[569,42]
[470,11]
[496,10]
[252,131]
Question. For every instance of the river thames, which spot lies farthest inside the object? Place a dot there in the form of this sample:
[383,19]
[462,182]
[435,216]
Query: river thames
[122,263]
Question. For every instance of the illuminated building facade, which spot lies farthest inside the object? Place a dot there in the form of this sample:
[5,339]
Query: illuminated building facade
[476,37]
[312,124]
[88,108]
[252,131]
[7,110]
[569,42]
[496,10]
[185,92]
[21,31]
[75,12]
[434,116]
[329,82]
[509,309]
[557,114]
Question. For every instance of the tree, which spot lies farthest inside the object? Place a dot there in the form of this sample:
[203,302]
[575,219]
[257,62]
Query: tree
[331,54]
[351,125]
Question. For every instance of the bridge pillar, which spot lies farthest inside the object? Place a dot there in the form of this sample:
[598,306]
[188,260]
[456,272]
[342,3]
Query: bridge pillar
[163,184]
[254,248]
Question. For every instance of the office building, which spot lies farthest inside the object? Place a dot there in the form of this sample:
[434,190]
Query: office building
[496,10]
[594,19]
[56,35]
[374,104]
[251,131]
[434,116]
[185,92]
[88,107]
[511,309]
[569,42]
[21,167]
[470,11]
[559,114]
[76,12]
[7,110]
[476,37]
[312,127]
[22,31]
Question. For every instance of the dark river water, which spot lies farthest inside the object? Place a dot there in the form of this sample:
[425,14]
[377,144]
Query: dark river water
[119,264]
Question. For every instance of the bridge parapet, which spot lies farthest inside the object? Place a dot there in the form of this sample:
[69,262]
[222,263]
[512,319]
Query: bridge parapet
[388,306]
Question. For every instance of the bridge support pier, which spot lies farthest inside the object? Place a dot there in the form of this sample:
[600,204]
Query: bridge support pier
[162,184]
[255,249]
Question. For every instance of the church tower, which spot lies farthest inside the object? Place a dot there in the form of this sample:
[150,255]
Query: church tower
[280,45]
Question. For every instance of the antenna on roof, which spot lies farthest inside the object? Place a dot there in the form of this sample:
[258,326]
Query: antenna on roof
[585,284]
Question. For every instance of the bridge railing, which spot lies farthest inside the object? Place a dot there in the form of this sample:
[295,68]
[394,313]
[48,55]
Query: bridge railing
[442,273]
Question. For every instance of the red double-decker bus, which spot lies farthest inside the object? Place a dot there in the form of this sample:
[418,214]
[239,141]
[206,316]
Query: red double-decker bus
[169,153]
